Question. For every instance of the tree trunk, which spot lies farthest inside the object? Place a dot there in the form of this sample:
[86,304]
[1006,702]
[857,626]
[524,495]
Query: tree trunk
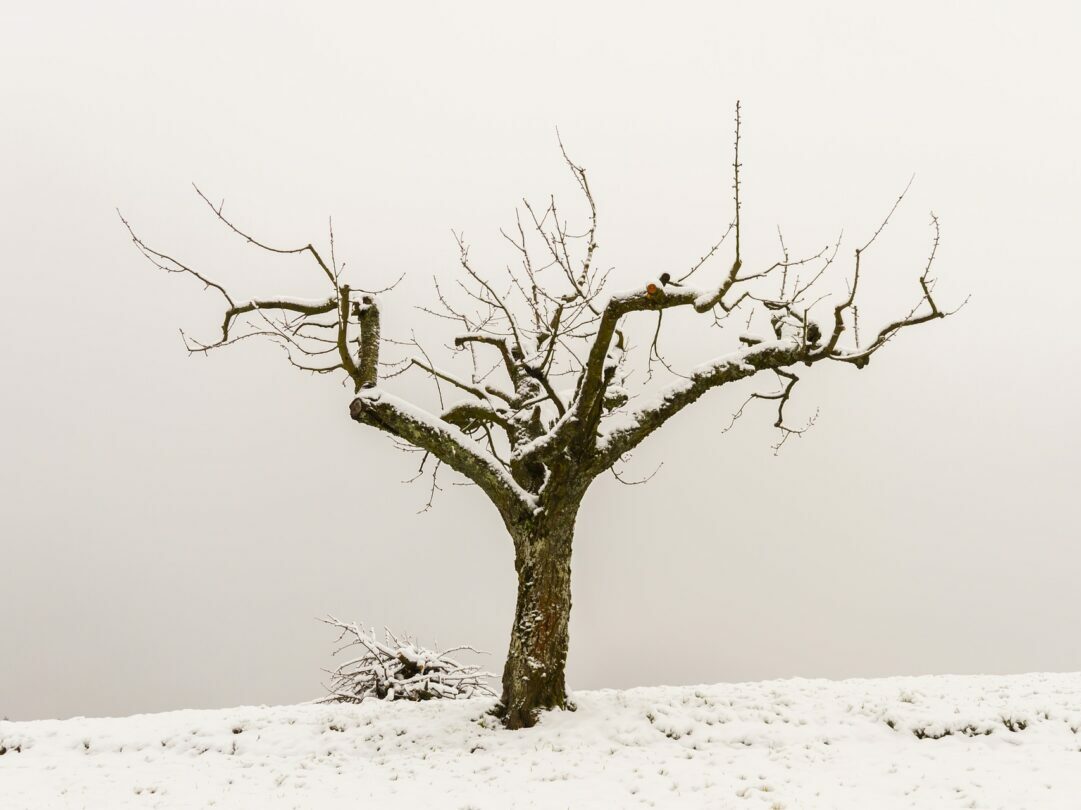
[533,678]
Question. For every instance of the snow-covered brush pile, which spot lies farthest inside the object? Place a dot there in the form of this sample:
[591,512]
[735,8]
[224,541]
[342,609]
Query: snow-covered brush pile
[400,669]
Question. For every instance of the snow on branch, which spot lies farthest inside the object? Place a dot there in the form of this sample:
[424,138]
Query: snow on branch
[544,353]
[399,669]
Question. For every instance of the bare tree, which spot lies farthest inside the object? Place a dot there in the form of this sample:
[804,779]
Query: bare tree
[532,445]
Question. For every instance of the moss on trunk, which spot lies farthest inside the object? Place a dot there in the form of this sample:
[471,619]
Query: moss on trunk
[533,677]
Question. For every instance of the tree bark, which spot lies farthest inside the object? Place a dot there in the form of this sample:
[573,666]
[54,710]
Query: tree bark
[533,677]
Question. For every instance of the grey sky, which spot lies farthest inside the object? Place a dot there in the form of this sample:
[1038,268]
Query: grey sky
[171,526]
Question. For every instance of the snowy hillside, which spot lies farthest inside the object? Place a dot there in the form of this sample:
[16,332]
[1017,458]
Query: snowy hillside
[928,742]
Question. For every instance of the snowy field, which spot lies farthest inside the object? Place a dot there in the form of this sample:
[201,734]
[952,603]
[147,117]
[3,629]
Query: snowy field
[929,742]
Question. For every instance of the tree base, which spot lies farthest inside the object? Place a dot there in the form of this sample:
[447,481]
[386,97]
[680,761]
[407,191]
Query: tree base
[523,717]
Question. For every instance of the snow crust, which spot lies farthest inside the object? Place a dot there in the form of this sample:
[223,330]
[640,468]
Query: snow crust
[925,742]
[285,299]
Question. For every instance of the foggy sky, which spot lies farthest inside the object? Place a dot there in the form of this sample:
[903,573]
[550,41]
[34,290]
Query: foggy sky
[171,526]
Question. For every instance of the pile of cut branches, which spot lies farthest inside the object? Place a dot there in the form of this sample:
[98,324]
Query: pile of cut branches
[399,669]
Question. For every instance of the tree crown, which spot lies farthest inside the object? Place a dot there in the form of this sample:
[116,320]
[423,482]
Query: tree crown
[549,401]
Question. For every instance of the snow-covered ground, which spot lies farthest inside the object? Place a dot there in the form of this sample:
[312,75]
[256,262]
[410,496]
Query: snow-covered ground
[929,742]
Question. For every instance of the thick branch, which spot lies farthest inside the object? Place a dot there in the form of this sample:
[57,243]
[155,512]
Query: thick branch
[367,313]
[419,428]
[773,354]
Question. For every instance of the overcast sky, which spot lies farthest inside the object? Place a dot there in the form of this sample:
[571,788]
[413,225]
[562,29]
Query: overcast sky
[172,526]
